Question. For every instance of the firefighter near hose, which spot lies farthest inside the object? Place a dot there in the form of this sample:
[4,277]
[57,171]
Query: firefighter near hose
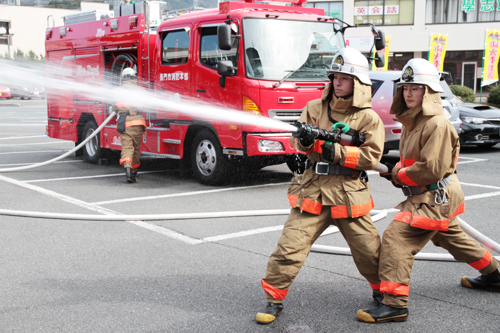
[342,137]
[131,127]
[426,173]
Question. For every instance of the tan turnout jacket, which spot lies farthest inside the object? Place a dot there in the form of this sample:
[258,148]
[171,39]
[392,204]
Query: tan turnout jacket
[429,151]
[349,196]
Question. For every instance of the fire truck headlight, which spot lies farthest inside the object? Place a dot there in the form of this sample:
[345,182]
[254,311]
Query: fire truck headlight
[267,146]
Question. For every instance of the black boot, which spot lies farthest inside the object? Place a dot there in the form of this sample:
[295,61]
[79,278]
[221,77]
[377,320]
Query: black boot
[489,282]
[270,312]
[382,314]
[378,298]
[134,173]
[128,175]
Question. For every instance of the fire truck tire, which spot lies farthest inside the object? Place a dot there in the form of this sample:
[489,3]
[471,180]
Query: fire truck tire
[208,163]
[92,149]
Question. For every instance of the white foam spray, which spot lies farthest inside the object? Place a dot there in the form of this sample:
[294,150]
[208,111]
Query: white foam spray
[33,74]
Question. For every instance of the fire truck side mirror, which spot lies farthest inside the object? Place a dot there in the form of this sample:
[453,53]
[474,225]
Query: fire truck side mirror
[224,37]
[380,40]
[225,68]
[379,60]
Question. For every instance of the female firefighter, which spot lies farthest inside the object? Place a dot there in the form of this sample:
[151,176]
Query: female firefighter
[131,127]
[427,175]
[334,188]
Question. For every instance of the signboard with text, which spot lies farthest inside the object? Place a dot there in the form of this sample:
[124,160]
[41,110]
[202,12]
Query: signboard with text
[490,60]
[437,50]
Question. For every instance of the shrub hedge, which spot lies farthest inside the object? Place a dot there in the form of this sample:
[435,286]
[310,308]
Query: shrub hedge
[465,93]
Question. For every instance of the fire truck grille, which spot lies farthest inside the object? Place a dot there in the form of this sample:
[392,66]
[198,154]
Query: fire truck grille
[288,116]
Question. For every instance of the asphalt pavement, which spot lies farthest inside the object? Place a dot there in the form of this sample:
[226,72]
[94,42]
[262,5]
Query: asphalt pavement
[198,275]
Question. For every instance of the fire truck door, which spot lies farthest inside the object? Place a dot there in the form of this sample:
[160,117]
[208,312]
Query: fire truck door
[88,72]
[61,113]
[206,84]
[174,74]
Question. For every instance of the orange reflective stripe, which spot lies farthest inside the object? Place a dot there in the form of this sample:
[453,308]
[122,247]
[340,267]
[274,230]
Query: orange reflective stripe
[135,166]
[427,223]
[403,217]
[311,206]
[405,179]
[351,160]
[460,209]
[394,288]
[361,210]
[137,122]
[125,159]
[292,199]
[339,212]
[317,146]
[275,292]
[407,163]
[483,262]
[374,286]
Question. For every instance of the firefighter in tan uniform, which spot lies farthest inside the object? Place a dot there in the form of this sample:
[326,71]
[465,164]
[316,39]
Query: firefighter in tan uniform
[131,127]
[427,175]
[334,188]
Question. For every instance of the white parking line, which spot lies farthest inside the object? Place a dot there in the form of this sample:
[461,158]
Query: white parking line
[34,152]
[36,143]
[24,137]
[472,160]
[186,194]
[87,177]
[21,164]
[105,211]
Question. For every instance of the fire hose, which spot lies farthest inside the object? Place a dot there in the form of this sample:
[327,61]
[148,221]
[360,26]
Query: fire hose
[84,142]
[377,214]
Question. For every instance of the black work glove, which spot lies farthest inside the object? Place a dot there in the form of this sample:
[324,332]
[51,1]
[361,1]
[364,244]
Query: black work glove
[305,135]
[328,151]
[388,175]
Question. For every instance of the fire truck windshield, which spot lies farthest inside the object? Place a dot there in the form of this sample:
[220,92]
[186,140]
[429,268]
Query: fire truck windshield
[289,50]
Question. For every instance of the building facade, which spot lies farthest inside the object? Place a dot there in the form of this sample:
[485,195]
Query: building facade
[29,25]
[410,23]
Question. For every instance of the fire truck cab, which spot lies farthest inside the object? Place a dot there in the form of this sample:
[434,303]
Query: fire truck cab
[265,59]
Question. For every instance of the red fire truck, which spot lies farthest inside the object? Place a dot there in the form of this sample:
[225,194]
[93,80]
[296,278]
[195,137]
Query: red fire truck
[266,59]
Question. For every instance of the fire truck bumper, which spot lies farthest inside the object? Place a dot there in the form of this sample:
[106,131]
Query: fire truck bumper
[269,144]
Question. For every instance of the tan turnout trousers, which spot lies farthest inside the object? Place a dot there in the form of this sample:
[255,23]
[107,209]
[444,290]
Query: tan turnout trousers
[299,233]
[401,242]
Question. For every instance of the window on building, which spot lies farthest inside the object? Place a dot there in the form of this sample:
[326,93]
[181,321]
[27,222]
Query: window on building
[441,11]
[460,11]
[333,9]
[384,12]
[210,54]
[175,47]
[3,39]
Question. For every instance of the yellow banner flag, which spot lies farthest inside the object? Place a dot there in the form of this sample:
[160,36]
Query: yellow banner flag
[437,50]
[490,60]
[385,53]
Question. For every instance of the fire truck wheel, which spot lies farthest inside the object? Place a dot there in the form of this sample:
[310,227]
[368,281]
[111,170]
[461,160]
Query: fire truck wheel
[92,149]
[208,163]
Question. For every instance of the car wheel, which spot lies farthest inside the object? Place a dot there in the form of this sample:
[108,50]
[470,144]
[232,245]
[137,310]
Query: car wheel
[209,165]
[92,149]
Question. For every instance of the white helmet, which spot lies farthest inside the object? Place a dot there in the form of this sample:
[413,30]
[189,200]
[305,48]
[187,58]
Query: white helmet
[350,61]
[421,71]
[128,74]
